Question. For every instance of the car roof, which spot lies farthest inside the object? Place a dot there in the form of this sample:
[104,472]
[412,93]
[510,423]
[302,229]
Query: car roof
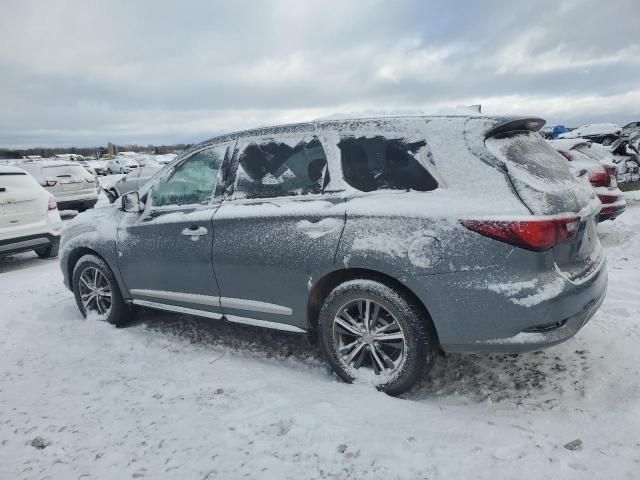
[354,121]
[568,143]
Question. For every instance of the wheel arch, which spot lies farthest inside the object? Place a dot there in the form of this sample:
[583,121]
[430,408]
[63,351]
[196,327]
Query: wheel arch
[328,282]
[77,253]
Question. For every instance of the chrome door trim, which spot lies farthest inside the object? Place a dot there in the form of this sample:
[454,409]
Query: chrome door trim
[223,302]
[217,316]
[176,309]
[254,306]
[178,296]
[264,323]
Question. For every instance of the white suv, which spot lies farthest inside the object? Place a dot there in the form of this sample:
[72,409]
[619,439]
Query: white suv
[73,187]
[29,218]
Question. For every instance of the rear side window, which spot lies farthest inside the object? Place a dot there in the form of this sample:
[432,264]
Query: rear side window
[378,163]
[273,169]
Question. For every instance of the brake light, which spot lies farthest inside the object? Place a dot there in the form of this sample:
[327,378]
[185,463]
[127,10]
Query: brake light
[52,204]
[608,198]
[599,179]
[537,235]
[48,183]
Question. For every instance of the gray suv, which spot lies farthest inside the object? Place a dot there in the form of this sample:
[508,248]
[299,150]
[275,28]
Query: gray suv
[385,239]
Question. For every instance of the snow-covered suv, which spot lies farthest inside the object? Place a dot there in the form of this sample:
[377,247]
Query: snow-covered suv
[29,218]
[386,239]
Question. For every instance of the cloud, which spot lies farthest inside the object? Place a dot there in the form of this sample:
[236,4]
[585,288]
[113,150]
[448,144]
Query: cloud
[82,73]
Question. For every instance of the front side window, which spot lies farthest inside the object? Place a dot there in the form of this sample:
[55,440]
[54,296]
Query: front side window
[274,169]
[192,181]
[379,163]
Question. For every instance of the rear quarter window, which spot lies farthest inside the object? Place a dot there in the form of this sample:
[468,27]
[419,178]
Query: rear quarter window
[381,163]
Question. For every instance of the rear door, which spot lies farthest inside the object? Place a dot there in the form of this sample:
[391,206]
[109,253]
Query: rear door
[164,253]
[277,230]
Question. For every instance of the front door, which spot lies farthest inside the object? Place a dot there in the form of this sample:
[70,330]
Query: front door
[164,253]
[277,232]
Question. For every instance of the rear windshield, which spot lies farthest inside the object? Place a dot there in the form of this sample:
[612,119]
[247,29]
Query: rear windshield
[65,171]
[527,151]
[380,163]
[540,174]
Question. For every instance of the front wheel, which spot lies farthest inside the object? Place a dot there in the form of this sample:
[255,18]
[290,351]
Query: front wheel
[371,333]
[97,292]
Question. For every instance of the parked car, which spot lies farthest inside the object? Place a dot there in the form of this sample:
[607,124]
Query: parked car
[602,174]
[121,165]
[73,187]
[604,133]
[99,167]
[387,239]
[630,128]
[29,218]
[130,182]
[625,156]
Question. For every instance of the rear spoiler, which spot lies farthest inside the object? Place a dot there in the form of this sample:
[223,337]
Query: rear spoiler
[519,124]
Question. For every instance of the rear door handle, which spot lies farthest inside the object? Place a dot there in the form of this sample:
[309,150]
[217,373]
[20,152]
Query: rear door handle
[194,232]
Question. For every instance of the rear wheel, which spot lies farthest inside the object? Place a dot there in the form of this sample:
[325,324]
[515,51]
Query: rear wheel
[371,333]
[96,291]
[50,251]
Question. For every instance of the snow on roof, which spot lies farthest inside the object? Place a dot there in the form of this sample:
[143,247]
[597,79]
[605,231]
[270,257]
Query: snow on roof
[567,144]
[592,129]
[10,169]
[461,111]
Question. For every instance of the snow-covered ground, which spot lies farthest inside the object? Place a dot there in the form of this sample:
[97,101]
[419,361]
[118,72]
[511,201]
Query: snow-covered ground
[178,397]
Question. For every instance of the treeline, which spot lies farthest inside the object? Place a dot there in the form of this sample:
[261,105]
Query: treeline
[90,151]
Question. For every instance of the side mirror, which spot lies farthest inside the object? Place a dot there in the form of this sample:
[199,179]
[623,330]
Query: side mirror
[130,202]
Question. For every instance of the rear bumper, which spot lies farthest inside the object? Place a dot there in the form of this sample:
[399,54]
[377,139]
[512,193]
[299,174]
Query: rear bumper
[27,243]
[75,204]
[492,312]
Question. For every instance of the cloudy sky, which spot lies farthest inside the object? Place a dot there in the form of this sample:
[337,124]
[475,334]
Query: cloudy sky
[88,72]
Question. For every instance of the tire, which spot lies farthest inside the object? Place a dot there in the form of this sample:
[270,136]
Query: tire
[606,141]
[109,172]
[112,195]
[118,312]
[419,339]
[50,251]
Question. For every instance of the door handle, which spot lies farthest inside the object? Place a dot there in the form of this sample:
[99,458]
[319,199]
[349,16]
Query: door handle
[194,233]
[319,228]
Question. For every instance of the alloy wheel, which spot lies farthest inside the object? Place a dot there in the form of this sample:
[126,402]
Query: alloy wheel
[95,292]
[368,336]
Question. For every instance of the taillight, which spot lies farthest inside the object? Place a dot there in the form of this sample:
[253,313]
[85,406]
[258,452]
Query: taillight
[609,198]
[537,235]
[52,204]
[48,183]
[599,179]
